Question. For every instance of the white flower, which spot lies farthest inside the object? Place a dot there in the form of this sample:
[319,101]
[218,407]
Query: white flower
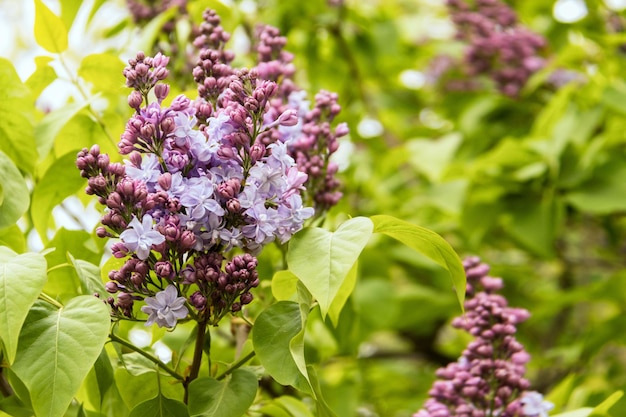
[533,405]
[165,308]
[140,237]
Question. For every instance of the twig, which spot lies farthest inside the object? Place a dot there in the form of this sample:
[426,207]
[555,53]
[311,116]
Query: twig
[236,365]
[145,354]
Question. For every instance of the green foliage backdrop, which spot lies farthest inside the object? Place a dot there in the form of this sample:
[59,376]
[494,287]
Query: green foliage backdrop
[347,321]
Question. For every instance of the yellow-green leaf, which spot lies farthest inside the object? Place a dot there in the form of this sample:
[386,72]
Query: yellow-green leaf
[50,31]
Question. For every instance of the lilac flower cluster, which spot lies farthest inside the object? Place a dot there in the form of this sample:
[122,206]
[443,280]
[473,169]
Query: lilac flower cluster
[488,379]
[498,46]
[143,12]
[286,115]
[203,177]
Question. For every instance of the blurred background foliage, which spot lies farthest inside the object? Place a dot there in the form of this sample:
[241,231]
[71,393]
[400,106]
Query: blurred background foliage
[533,184]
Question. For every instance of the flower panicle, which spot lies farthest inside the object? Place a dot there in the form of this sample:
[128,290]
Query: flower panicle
[202,178]
[498,45]
[488,379]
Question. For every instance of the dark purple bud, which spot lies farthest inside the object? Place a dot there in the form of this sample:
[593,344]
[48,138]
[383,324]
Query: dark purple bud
[125,300]
[246,298]
[187,240]
[233,205]
[198,300]
[164,269]
[111,287]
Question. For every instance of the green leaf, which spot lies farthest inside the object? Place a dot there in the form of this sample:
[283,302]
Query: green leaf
[296,344]
[16,112]
[89,276]
[160,406]
[323,410]
[104,71]
[135,389]
[21,279]
[14,187]
[13,407]
[60,181]
[603,408]
[137,364]
[284,285]
[431,157]
[343,294]
[581,412]
[613,97]
[272,334]
[69,10]
[50,31]
[605,193]
[63,281]
[57,349]
[13,237]
[535,224]
[42,77]
[429,244]
[286,406]
[84,132]
[231,397]
[322,259]
[152,30]
[49,127]
[104,377]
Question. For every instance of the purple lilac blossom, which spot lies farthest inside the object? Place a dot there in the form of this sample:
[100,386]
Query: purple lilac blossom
[209,175]
[488,379]
[165,308]
[498,46]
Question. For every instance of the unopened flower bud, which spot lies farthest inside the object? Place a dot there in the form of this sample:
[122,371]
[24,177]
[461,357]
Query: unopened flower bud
[161,91]
[135,100]
[288,118]
[111,287]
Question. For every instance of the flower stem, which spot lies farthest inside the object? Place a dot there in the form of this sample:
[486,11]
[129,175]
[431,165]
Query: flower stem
[145,354]
[236,365]
[197,357]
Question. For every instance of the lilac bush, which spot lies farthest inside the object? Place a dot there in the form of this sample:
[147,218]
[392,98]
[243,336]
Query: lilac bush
[242,166]
[488,379]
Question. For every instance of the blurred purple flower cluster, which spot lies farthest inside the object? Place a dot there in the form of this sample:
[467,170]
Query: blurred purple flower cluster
[498,46]
[488,379]
[142,12]
[227,170]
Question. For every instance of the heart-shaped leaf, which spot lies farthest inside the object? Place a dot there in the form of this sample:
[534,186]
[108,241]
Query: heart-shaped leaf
[57,349]
[21,279]
[322,259]
[272,336]
[160,406]
[231,397]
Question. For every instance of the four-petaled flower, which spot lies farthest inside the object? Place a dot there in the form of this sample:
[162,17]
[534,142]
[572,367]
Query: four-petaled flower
[140,237]
[165,308]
